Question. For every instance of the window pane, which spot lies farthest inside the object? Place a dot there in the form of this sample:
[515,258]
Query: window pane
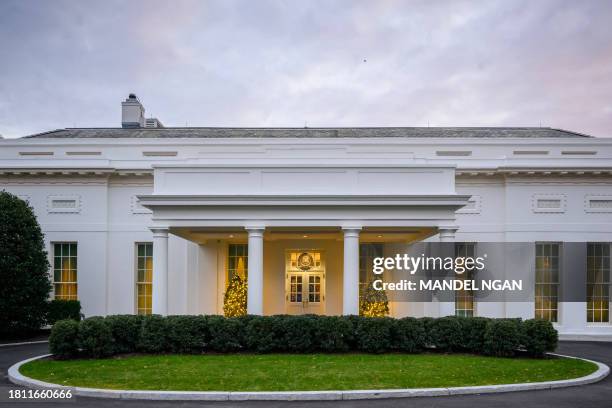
[464,299]
[144,277]
[65,271]
[547,280]
[598,280]
[237,261]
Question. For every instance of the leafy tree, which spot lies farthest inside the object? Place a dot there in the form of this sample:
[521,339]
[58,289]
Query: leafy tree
[23,268]
[235,299]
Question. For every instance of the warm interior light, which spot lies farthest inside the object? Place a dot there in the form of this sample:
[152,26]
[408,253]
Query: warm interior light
[305,236]
[380,236]
[231,236]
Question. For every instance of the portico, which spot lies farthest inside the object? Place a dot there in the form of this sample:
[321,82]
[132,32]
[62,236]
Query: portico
[299,203]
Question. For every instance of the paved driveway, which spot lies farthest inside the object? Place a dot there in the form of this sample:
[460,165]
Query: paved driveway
[594,395]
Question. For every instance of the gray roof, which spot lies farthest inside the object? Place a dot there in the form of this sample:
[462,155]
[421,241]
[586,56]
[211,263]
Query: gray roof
[218,132]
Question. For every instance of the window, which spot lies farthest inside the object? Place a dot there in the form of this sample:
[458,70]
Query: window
[367,253]
[144,278]
[314,288]
[598,282]
[547,281]
[237,261]
[464,299]
[295,288]
[65,270]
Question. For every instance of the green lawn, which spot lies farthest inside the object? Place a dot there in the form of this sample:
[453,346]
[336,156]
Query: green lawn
[285,372]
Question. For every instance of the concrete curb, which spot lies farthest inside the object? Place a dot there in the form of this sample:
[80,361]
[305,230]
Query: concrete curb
[24,343]
[17,378]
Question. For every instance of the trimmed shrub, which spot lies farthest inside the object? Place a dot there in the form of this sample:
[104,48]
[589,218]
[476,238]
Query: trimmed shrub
[427,323]
[472,333]
[24,269]
[332,334]
[374,334]
[502,337]
[353,322]
[63,309]
[63,341]
[260,334]
[153,334]
[125,330]
[539,336]
[186,334]
[95,337]
[408,335]
[226,334]
[298,333]
[445,333]
[101,337]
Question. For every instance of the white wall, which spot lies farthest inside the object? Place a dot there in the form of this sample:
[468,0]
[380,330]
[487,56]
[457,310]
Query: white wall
[109,224]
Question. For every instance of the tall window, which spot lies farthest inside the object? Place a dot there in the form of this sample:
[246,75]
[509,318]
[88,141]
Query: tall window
[237,261]
[367,253]
[547,281]
[598,282]
[65,270]
[464,299]
[144,278]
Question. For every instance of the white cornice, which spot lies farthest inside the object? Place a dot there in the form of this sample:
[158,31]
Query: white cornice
[536,171]
[451,200]
[73,172]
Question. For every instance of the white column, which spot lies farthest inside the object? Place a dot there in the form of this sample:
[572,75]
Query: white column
[255,271]
[160,271]
[447,234]
[350,287]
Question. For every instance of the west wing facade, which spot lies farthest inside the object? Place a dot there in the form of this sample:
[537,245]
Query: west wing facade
[160,220]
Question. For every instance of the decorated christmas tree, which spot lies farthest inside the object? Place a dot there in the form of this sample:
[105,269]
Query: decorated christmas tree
[235,299]
[372,302]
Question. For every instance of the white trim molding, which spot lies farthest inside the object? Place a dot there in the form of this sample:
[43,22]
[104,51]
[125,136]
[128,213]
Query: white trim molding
[548,203]
[64,203]
[473,205]
[604,203]
[137,208]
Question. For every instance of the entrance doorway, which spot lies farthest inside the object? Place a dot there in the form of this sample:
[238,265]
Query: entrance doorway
[304,281]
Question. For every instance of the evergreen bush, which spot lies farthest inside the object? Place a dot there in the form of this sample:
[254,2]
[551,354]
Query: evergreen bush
[187,334]
[153,337]
[472,333]
[63,309]
[539,336]
[227,335]
[95,338]
[101,337]
[24,269]
[64,339]
[445,333]
[409,335]
[502,337]
[332,334]
[125,330]
[373,334]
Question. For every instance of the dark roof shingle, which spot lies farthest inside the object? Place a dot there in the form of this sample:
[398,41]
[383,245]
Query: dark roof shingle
[357,132]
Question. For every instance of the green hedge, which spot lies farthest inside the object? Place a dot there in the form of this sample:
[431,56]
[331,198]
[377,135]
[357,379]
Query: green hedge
[101,337]
[63,309]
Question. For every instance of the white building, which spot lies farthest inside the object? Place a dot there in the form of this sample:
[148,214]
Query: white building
[139,219]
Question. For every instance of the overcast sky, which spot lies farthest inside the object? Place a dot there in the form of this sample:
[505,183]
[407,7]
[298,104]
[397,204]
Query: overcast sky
[320,63]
